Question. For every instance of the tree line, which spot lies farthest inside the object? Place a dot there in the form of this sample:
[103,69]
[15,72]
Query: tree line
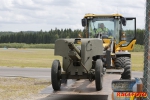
[39,37]
[46,37]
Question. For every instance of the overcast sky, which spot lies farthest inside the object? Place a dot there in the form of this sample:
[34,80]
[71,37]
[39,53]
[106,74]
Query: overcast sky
[34,15]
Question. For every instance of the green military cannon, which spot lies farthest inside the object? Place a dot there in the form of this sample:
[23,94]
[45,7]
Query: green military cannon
[78,62]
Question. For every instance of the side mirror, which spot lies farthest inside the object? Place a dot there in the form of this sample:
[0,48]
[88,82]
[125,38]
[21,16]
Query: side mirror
[123,20]
[84,22]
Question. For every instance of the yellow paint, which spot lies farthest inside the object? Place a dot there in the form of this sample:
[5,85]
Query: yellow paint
[129,47]
[106,42]
[118,45]
[78,42]
[105,45]
[101,15]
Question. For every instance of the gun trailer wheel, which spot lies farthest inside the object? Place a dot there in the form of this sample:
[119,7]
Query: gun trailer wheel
[98,74]
[56,75]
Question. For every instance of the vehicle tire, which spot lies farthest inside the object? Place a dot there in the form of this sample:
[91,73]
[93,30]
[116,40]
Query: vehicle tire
[98,74]
[56,75]
[124,62]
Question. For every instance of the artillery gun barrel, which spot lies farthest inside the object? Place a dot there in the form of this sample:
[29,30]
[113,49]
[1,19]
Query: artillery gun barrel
[73,47]
[74,53]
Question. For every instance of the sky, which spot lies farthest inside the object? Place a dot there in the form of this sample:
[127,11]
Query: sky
[34,15]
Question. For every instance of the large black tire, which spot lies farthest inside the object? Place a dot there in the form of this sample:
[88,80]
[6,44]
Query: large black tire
[56,75]
[98,74]
[124,62]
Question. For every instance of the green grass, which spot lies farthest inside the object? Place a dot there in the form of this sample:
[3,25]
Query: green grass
[27,57]
[138,48]
[43,58]
[137,60]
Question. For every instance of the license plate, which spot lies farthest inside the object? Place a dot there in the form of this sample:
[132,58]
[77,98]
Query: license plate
[122,85]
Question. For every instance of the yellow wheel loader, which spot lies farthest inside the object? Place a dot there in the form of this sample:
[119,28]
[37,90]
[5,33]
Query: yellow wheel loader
[118,34]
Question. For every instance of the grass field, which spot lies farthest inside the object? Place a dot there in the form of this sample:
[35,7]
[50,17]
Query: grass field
[137,60]
[44,57]
[21,88]
[27,57]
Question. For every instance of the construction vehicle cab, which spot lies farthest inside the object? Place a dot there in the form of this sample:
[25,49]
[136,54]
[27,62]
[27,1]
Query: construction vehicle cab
[114,25]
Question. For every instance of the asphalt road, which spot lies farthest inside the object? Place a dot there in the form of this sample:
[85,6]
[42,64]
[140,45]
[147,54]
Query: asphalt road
[38,72]
[73,90]
[25,72]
